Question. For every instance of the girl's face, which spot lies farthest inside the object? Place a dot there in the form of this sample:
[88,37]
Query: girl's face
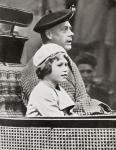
[59,70]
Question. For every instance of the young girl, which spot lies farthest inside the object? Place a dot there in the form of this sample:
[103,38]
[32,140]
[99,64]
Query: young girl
[48,99]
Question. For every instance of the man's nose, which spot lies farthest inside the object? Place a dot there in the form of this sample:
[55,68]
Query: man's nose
[71,33]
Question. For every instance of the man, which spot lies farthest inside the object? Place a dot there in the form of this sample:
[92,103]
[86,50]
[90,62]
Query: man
[87,65]
[55,28]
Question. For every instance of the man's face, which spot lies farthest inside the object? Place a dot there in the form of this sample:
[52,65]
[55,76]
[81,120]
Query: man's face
[62,35]
[87,72]
[59,70]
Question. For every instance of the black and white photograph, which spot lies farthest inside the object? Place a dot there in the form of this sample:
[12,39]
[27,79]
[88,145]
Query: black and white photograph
[57,75]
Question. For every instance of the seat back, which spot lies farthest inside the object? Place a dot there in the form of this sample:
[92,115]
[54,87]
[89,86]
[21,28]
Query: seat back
[15,16]
[11,46]
[11,17]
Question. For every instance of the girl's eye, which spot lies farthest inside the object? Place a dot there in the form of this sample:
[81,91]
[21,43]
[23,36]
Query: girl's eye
[66,64]
[60,64]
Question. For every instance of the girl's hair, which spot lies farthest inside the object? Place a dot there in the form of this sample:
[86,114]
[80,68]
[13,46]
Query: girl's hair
[47,68]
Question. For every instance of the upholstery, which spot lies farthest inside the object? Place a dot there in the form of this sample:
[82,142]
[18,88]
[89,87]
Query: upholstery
[11,104]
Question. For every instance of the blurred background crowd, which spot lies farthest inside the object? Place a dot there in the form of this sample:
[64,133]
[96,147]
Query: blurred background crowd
[94,27]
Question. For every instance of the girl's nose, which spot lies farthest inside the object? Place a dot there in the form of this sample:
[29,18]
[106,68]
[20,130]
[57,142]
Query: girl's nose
[66,69]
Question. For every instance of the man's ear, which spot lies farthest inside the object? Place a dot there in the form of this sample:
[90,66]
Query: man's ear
[48,34]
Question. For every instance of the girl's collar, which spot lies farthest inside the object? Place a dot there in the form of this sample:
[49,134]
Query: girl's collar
[51,84]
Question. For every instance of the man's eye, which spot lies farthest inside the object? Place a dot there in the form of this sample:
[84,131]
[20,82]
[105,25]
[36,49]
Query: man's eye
[86,71]
[65,28]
